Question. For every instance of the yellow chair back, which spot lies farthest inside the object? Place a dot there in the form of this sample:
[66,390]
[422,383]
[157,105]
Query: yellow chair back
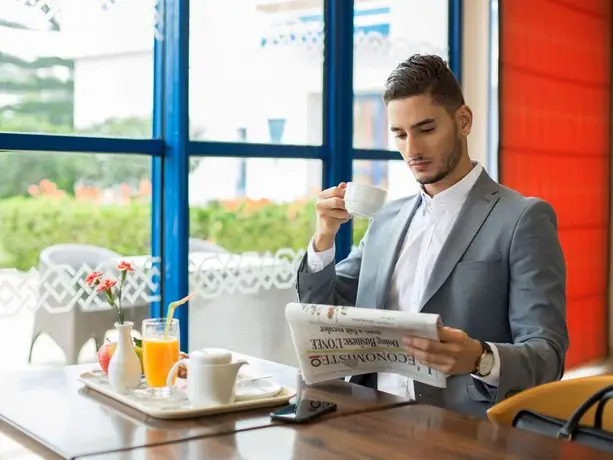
[556,399]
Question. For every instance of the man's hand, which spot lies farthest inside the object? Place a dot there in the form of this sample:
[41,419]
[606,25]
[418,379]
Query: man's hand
[456,353]
[331,214]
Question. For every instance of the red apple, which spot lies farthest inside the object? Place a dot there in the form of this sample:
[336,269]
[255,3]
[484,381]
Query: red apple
[105,352]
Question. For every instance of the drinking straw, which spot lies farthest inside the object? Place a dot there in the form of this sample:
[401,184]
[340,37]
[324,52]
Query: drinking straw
[171,311]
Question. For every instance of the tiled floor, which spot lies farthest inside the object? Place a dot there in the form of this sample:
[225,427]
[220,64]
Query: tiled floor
[15,336]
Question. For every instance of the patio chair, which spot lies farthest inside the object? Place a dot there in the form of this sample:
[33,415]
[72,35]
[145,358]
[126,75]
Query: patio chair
[558,399]
[63,269]
[199,245]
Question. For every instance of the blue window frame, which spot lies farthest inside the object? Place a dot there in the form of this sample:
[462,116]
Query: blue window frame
[170,146]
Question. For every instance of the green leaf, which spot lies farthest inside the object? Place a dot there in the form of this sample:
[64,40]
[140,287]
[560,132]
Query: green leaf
[138,342]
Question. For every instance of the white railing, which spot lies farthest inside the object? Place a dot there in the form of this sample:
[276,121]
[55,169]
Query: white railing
[370,45]
[60,288]
[247,273]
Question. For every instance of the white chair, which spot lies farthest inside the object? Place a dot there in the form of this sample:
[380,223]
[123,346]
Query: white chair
[240,304]
[252,324]
[63,269]
[199,245]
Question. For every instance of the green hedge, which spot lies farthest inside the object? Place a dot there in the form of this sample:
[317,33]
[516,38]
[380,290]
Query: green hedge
[28,225]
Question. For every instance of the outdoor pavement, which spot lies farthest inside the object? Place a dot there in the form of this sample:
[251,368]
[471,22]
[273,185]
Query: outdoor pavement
[16,323]
[15,337]
[16,331]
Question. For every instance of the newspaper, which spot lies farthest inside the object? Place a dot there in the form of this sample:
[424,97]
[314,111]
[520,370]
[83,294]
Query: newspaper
[334,342]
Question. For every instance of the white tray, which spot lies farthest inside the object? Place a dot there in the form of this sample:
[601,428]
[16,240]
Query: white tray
[177,406]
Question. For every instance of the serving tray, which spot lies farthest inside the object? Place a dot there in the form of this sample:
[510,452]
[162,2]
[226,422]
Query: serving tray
[177,406]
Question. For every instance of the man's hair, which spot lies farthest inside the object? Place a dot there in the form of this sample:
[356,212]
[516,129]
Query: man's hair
[424,74]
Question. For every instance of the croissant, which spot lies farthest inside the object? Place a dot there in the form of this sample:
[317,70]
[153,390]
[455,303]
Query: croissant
[182,371]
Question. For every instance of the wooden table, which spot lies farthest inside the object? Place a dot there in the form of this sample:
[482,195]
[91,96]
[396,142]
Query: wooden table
[49,412]
[410,432]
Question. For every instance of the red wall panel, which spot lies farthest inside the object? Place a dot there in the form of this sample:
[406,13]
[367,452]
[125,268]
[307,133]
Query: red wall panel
[555,122]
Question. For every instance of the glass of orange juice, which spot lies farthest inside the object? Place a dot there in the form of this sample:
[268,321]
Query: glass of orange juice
[160,352]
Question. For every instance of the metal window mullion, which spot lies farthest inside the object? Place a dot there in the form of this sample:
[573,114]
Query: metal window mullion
[62,143]
[155,308]
[175,165]
[338,104]
[251,150]
[455,37]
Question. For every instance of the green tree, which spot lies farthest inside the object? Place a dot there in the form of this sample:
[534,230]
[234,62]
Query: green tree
[40,91]
[43,93]
[19,170]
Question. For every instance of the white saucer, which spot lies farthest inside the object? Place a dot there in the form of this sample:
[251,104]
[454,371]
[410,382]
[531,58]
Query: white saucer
[257,389]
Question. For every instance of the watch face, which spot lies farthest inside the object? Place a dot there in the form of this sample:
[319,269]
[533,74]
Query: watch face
[486,364]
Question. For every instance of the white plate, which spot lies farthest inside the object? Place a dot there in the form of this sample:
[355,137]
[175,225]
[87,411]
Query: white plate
[258,389]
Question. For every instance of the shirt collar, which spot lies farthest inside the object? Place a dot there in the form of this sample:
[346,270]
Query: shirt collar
[453,198]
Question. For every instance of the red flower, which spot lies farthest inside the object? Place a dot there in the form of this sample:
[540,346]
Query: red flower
[106,285]
[124,266]
[93,278]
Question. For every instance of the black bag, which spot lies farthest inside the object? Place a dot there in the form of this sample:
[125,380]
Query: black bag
[570,429]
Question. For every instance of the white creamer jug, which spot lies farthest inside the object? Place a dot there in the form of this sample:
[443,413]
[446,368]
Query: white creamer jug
[211,377]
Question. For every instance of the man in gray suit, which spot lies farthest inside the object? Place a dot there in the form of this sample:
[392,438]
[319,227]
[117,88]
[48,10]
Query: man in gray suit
[485,258]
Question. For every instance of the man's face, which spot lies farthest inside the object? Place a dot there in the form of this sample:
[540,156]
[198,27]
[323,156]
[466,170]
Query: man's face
[427,136]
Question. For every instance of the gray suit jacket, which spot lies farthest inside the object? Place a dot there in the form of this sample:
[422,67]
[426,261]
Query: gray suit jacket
[500,277]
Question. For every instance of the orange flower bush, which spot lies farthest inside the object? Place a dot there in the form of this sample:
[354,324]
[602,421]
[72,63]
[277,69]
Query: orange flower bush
[31,224]
[47,189]
[245,204]
[88,193]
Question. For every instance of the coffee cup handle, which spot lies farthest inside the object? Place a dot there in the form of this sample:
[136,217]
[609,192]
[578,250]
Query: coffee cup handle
[173,370]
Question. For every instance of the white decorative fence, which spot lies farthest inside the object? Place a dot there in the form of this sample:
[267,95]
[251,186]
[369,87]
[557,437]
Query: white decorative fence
[60,288]
[247,273]
[239,301]
[371,47]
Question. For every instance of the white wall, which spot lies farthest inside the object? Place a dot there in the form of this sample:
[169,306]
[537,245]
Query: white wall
[116,86]
[475,73]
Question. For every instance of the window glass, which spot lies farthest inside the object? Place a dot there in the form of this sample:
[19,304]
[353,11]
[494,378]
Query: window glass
[256,71]
[63,215]
[77,67]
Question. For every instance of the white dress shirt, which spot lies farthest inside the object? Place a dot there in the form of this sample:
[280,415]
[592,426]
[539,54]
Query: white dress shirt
[425,236]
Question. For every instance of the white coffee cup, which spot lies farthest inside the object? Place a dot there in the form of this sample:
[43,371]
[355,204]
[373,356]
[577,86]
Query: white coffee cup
[211,377]
[362,200]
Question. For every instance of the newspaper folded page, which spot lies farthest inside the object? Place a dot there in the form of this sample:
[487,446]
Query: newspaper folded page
[336,341]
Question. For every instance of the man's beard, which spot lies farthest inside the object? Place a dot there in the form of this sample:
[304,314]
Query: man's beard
[451,161]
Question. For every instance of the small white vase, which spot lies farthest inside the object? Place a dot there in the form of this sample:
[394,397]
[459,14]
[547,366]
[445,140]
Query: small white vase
[125,370]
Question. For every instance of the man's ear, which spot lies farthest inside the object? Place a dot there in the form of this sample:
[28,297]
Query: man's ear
[464,119]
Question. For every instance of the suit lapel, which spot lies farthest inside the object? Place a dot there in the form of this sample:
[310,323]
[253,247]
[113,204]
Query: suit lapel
[479,203]
[391,248]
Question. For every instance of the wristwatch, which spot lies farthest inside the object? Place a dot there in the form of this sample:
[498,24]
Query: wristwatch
[485,363]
